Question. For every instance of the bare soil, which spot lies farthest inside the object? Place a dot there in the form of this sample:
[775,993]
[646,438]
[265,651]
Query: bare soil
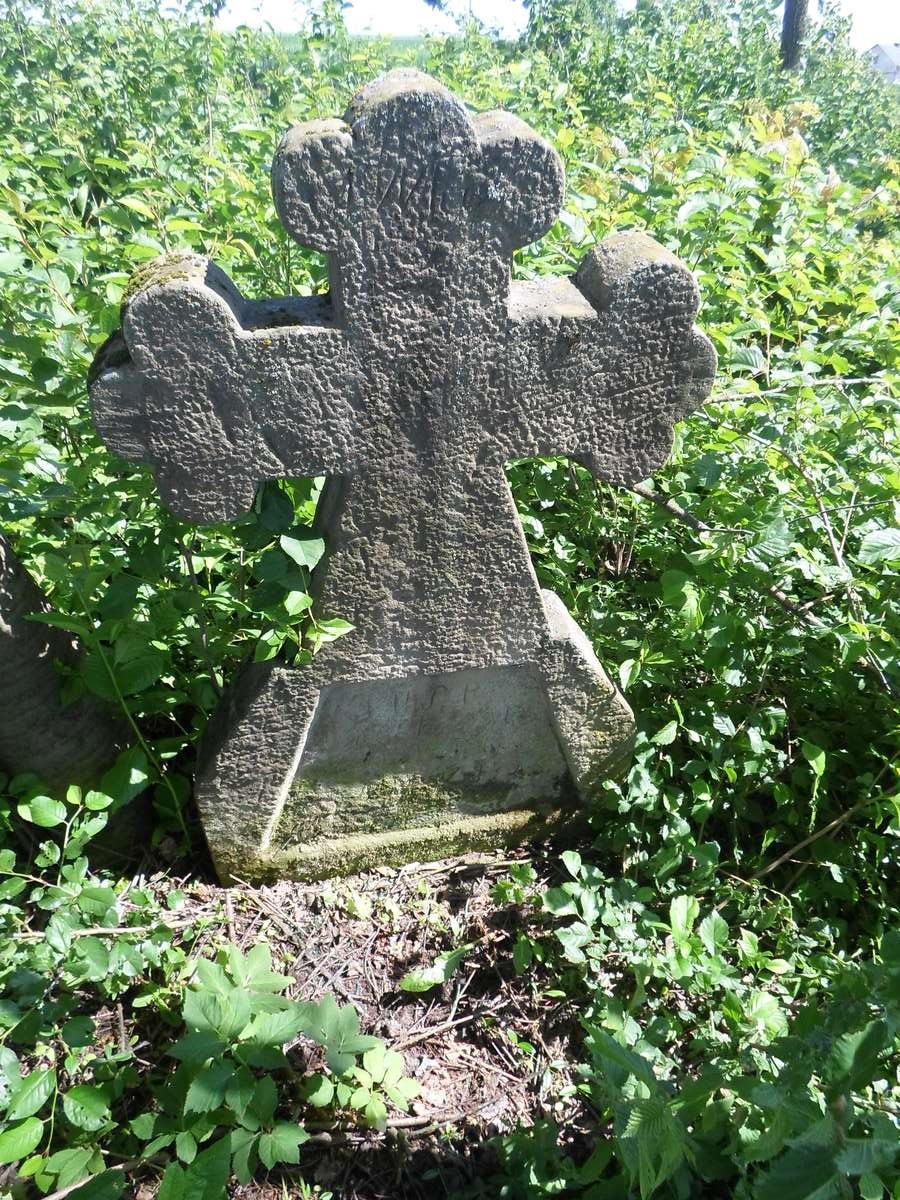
[489,1049]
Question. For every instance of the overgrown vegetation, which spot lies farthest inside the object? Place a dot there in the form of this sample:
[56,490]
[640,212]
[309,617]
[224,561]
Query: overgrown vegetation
[730,944]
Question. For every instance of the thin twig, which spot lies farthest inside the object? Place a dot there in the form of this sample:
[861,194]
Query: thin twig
[229,916]
[851,508]
[838,381]
[120,1026]
[268,910]
[688,518]
[104,931]
[426,1121]
[433,1031]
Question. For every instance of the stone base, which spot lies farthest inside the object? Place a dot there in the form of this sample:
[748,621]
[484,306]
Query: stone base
[395,754]
[353,853]
[314,772]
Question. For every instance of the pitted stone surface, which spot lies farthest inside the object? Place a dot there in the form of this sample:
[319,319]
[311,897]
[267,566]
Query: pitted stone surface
[409,385]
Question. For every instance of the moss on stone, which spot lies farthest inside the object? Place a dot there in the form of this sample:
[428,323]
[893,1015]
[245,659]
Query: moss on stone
[360,852]
[391,803]
[158,271]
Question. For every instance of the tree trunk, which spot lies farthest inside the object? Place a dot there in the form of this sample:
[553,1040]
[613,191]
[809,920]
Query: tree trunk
[792,30]
[61,745]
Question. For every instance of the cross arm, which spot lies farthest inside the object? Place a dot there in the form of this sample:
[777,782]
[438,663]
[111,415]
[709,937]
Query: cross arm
[218,393]
[600,366]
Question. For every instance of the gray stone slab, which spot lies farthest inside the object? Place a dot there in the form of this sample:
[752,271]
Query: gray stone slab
[409,386]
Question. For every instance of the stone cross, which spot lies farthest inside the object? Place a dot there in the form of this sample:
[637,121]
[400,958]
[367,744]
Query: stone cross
[466,706]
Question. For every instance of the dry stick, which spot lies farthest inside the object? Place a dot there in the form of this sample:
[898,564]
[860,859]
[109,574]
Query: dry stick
[105,931]
[688,518]
[421,1124]
[836,823]
[265,908]
[229,917]
[838,381]
[120,1024]
[60,1192]
[851,508]
[126,1167]
[425,1034]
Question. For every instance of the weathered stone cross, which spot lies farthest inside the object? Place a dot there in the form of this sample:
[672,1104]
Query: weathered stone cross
[466,703]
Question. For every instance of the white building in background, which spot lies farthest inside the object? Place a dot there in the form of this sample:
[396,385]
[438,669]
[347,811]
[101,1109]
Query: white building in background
[886,59]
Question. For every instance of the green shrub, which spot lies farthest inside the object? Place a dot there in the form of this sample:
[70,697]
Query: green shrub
[731,939]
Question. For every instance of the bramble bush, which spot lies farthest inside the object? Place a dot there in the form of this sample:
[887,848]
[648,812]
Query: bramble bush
[731,939]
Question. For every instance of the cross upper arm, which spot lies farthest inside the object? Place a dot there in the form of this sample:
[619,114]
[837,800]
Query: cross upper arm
[218,393]
[598,367]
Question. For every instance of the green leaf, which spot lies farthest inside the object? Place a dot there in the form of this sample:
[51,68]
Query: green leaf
[803,1172]
[70,1166]
[31,1093]
[43,811]
[609,1051]
[750,357]
[141,672]
[865,1156]
[143,1125]
[208,1087]
[774,542]
[224,1015]
[815,756]
[572,862]
[376,1112]
[762,1011]
[173,1184]
[383,1066]
[439,972]
[98,801]
[337,1030]
[186,1146]
[282,1145]
[305,552]
[871,1187]
[713,932]
[253,970]
[276,511]
[680,592]
[264,1101]
[854,1060]
[137,206]
[239,1092]
[296,603]
[274,1028]
[683,914]
[880,545]
[205,1179]
[666,735]
[108,1185]
[328,631]
[60,621]
[18,1141]
[197,1047]
[658,1139]
[318,1090]
[127,777]
[243,1149]
[86,1107]
[573,938]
